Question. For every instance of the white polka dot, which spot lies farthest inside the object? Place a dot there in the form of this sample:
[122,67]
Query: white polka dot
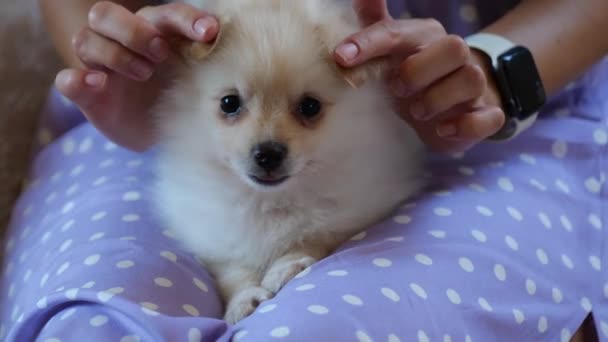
[453,296]
[68,146]
[477,187]
[169,256]
[359,236]
[442,193]
[593,185]
[77,170]
[163,282]
[353,300]
[396,239]
[505,184]
[479,236]
[280,332]
[439,234]
[528,159]
[604,327]
[422,337]
[106,163]
[72,189]
[149,308]
[96,236]
[484,304]
[362,337]
[606,290]
[418,290]
[500,272]
[557,295]
[535,183]
[98,320]
[466,264]
[402,219]
[381,262]
[267,308]
[100,181]
[318,309]
[85,145]
[88,285]
[109,146]
[63,268]
[44,279]
[561,185]
[511,243]
[586,304]
[105,296]
[595,262]
[542,256]
[135,163]
[338,273]
[515,214]
[305,287]
[130,218]
[567,261]
[519,316]
[393,338]
[543,324]
[303,273]
[27,275]
[484,211]
[92,260]
[67,207]
[67,226]
[65,245]
[239,335]
[41,303]
[444,212]
[390,294]
[566,335]
[424,259]
[566,223]
[50,198]
[130,338]
[98,216]
[52,339]
[530,286]
[128,238]
[125,264]
[468,13]
[545,220]
[466,171]
[131,196]
[191,310]
[595,221]
[200,284]
[559,149]
[600,137]
[194,335]
[67,314]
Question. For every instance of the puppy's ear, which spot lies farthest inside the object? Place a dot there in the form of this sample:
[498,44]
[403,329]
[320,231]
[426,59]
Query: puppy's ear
[194,52]
[371,70]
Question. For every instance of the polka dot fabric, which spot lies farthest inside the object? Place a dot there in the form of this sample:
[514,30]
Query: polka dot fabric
[507,243]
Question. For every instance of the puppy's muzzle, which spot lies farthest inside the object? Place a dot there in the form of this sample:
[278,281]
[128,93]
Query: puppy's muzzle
[269,158]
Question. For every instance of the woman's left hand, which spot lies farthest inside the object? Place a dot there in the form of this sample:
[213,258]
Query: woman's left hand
[442,86]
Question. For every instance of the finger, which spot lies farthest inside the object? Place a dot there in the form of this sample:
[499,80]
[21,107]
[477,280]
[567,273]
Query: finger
[95,50]
[431,64]
[388,37]
[472,127]
[465,84]
[182,19]
[81,86]
[370,11]
[133,32]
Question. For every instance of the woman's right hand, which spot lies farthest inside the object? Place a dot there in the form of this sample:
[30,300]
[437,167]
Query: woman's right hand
[123,55]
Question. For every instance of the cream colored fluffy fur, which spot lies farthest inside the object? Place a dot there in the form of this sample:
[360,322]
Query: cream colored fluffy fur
[349,170]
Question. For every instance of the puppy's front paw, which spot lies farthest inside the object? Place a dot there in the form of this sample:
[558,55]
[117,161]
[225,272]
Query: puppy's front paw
[284,269]
[245,302]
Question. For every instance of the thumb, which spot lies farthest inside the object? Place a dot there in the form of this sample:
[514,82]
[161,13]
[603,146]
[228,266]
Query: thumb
[370,11]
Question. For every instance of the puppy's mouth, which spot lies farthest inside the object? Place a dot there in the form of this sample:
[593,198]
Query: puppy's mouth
[268,180]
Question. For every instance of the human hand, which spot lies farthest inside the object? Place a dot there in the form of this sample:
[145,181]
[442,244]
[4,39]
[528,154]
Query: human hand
[124,58]
[442,87]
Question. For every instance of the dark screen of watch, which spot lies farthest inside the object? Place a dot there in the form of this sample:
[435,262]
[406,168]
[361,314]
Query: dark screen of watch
[523,80]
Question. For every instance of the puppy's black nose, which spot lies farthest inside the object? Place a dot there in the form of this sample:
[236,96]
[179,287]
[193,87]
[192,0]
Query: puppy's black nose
[269,155]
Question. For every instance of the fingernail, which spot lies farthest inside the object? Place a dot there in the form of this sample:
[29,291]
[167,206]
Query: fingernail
[158,49]
[348,51]
[95,80]
[417,111]
[140,70]
[399,88]
[446,130]
[202,25]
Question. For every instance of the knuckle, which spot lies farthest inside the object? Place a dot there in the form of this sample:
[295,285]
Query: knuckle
[434,25]
[132,36]
[476,78]
[79,40]
[145,11]
[391,29]
[117,58]
[458,47]
[100,12]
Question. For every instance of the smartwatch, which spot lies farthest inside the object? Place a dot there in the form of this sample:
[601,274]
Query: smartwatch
[517,79]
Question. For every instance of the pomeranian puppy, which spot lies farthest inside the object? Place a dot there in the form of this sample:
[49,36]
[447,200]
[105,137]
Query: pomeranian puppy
[271,155]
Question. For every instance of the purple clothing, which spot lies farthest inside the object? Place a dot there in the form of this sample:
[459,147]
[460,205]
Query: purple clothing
[507,244]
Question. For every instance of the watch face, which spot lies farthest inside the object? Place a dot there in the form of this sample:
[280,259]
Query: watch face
[520,75]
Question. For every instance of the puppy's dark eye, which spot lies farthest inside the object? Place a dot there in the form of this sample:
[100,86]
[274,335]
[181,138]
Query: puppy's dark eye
[309,107]
[231,105]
